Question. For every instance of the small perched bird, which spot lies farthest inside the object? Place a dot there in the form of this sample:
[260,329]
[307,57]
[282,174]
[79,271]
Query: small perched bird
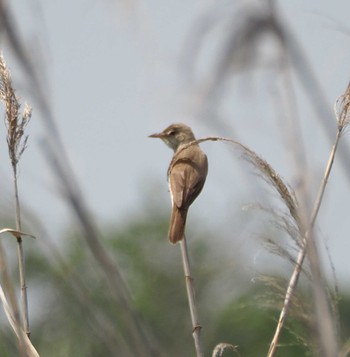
[186,175]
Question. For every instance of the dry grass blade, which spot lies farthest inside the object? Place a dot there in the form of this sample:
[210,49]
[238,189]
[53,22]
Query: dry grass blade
[265,169]
[276,249]
[276,181]
[16,234]
[27,349]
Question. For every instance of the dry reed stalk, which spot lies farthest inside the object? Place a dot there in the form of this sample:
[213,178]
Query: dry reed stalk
[265,168]
[17,143]
[325,327]
[196,332]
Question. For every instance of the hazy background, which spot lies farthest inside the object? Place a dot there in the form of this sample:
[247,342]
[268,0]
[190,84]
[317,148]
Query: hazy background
[115,72]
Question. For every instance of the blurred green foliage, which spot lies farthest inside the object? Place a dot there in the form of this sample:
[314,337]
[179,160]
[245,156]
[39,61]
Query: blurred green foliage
[74,313]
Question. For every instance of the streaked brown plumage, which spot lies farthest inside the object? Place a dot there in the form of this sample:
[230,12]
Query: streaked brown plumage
[186,175]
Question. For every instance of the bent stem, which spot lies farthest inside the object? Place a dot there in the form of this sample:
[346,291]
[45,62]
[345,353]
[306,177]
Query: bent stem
[191,298]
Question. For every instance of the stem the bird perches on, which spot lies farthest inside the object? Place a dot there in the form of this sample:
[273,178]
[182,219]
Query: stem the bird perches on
[191,299]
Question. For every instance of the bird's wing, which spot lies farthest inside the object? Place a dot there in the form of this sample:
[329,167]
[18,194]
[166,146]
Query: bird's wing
[185,182]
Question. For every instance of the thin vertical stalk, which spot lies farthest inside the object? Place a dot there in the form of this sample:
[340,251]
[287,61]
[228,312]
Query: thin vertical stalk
[302,253]
[191,298]
[20,256]
[17,143]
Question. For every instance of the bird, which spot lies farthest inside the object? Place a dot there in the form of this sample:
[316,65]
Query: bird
[186,175]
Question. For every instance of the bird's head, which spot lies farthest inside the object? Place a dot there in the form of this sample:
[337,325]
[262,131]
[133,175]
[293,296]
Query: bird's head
[175,135]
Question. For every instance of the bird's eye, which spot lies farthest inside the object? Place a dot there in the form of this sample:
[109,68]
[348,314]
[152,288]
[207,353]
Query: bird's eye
[171,132]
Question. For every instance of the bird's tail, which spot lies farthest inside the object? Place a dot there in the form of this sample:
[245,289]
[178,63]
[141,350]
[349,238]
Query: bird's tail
[177,225]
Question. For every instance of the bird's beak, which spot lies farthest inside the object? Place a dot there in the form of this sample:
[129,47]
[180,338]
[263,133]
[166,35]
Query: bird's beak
[157,135]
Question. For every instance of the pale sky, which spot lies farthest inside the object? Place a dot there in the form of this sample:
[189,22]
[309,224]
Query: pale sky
[114,76]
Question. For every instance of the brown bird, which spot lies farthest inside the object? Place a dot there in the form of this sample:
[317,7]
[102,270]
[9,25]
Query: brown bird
[186,175]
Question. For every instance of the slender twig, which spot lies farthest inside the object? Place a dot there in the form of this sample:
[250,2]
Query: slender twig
[21,266]
[191,299]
